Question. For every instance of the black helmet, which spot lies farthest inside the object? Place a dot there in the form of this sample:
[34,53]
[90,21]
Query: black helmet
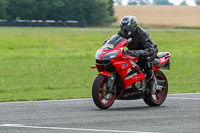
[128,25]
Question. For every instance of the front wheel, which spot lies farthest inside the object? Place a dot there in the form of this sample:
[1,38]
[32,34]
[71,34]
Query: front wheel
[100,94]
[161,91]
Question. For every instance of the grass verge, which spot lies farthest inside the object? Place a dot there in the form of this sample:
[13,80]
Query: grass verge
[54,63]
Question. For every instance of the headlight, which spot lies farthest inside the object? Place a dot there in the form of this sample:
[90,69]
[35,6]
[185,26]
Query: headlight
[98,55]
[110,55]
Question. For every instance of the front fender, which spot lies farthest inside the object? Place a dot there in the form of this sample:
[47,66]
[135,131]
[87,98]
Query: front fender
[105,73]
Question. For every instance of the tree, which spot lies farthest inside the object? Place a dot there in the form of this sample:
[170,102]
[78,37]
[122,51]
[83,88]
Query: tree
[110,7]
[183,3]
[41,9]
[97,12]
[144,2]
[119,2]
[22,9]
[93,12]
[3,6]
[197,2]
[132,2]
[138,2]
[162,2]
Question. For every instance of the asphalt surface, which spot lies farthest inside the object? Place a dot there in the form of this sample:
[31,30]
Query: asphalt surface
[178,114]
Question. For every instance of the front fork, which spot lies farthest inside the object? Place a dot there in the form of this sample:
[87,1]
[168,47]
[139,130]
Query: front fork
[110,82]
[111,77]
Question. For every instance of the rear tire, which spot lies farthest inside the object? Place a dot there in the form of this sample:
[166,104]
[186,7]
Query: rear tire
[101,98]
[159,97]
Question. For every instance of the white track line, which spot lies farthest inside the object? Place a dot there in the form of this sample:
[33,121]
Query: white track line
[183,94]
[72,129]
[184,98]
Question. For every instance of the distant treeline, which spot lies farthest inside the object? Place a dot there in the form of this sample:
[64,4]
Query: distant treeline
[151,2]
[93,12]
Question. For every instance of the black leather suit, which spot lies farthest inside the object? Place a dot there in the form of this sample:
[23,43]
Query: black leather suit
[147,49]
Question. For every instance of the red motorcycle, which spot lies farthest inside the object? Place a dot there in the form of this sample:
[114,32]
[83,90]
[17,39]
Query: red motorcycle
[121,78]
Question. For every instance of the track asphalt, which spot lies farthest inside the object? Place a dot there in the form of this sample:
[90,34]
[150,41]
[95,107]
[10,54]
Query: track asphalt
[180,113]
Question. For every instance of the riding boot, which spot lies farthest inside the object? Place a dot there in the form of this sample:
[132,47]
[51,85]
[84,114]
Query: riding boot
[152,85]
[151,78]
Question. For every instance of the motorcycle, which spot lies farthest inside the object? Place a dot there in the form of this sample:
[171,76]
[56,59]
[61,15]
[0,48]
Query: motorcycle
[121,78]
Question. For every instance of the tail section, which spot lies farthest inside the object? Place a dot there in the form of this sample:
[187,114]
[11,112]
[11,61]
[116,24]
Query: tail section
[162,61]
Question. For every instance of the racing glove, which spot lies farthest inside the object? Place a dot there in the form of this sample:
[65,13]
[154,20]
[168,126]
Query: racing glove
[132,53]
[146,52]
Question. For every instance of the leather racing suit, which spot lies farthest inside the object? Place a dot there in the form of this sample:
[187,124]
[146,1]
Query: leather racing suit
[147,49]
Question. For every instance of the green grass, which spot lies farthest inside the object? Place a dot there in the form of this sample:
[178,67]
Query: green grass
[54,63]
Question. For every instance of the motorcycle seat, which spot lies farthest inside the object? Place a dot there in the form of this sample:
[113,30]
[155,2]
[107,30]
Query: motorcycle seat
[161,54]
[156,62]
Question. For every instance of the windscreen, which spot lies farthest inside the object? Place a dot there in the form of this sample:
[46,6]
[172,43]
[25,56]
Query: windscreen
[113,42]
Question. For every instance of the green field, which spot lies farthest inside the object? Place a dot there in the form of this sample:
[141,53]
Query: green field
[54,63]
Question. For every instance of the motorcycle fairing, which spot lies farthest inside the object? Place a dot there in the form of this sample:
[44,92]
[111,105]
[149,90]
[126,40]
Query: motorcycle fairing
[128,70]
[124,64]
[105,73]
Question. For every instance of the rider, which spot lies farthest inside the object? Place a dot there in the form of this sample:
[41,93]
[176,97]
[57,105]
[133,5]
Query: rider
[142,46]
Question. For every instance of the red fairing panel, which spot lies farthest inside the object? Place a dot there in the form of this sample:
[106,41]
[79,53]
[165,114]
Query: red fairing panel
[128,71]
[163,60]
[155,68]
[105,73]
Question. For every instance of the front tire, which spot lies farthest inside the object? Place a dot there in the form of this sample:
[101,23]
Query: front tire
[159,97]
[101,97]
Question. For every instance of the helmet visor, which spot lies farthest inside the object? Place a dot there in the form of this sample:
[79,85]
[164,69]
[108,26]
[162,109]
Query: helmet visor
[128,29]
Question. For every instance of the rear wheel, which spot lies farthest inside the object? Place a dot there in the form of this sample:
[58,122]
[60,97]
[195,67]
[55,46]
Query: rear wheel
[100,94]
[161,91]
